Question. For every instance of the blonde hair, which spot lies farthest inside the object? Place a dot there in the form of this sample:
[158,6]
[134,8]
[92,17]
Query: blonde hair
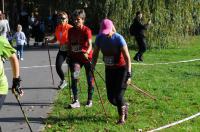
[61,13]
[19,27]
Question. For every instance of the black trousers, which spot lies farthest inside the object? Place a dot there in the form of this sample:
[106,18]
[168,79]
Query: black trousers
[141,41]
[116,85]
[60,58]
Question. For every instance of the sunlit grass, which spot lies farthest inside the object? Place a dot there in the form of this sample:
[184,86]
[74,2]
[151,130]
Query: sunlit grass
[176,87]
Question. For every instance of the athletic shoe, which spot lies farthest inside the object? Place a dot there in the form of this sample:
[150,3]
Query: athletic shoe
[21,59]
[75,104]
[62,85]
[89,103]
[120,122]
[126,110]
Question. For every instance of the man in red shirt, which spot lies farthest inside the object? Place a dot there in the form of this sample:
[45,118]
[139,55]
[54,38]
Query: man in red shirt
[80,44]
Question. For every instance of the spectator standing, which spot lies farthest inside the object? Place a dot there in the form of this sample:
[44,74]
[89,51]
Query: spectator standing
[20,38]
[137,29]
[3,26]
[54,20]
[38,31]
[25,22]
[7,24]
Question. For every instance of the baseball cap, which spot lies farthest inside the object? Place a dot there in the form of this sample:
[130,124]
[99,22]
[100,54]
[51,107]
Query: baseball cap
[106,26]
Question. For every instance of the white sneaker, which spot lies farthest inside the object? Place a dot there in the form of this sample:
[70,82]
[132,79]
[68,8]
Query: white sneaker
[21,59]
[75,104]
[62,85]
[89,103]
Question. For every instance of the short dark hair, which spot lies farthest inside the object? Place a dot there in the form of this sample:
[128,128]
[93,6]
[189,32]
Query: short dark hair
[138,13]
[79,13]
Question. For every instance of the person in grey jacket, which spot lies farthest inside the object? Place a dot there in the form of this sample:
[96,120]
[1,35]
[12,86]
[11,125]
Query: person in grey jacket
[20,41]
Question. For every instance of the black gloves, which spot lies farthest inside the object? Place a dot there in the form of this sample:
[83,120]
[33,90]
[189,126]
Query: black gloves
[128,77]
[16,86]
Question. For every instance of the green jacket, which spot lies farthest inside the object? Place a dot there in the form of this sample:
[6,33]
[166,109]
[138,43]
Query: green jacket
[6,50]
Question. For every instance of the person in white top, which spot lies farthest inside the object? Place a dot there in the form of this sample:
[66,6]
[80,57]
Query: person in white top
[7,23]
[3,26]
[20,41]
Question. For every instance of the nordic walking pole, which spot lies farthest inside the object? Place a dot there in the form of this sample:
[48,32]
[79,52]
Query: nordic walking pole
[69,81]
[99,95]
[49,60]
[26,118]
[97,87]
[142,91]
[133,86]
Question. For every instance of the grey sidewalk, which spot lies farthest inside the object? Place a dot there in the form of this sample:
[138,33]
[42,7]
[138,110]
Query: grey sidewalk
[39,92]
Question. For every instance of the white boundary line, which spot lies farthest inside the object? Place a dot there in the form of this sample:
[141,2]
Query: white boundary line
[175,123]
[32,67]
[164,63]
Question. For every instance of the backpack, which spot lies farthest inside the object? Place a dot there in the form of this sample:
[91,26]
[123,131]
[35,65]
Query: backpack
[132,29]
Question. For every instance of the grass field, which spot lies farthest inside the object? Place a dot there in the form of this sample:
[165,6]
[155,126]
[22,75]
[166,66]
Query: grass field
[176,87]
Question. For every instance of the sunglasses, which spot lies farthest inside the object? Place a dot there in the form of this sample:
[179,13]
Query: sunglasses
[62,18]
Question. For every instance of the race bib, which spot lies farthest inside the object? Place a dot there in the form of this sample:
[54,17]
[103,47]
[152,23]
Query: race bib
[109,60]
[63,48]
[77,48]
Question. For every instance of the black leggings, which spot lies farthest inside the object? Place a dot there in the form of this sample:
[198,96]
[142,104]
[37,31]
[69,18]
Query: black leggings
[60,58]
[116,85]
[89,76]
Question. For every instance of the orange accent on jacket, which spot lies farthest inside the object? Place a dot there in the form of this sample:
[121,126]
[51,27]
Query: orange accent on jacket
[61,33]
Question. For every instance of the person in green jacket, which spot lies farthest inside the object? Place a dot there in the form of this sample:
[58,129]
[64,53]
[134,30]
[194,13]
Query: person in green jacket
[8,52]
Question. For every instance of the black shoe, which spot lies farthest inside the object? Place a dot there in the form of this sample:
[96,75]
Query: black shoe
[140,59]
[136,59]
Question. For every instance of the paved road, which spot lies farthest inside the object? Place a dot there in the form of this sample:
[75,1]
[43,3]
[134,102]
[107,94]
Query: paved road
[39,91]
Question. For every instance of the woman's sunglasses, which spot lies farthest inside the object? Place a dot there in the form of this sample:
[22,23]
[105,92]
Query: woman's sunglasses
[62,18]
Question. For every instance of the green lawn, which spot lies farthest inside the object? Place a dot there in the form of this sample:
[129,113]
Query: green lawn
[176,87]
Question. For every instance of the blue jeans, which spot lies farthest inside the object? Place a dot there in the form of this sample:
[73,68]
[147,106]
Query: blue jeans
[20,51]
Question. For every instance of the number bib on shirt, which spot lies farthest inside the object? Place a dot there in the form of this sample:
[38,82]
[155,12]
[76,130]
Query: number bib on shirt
[109,60]
[63,48]
[77,48]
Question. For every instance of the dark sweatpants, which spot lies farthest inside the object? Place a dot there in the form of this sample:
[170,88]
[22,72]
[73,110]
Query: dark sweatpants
[141,41]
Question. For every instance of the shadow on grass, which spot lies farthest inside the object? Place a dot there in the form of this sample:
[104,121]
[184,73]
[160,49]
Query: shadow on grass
[29,104]
[38,88]
[22,119]
[74,119]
